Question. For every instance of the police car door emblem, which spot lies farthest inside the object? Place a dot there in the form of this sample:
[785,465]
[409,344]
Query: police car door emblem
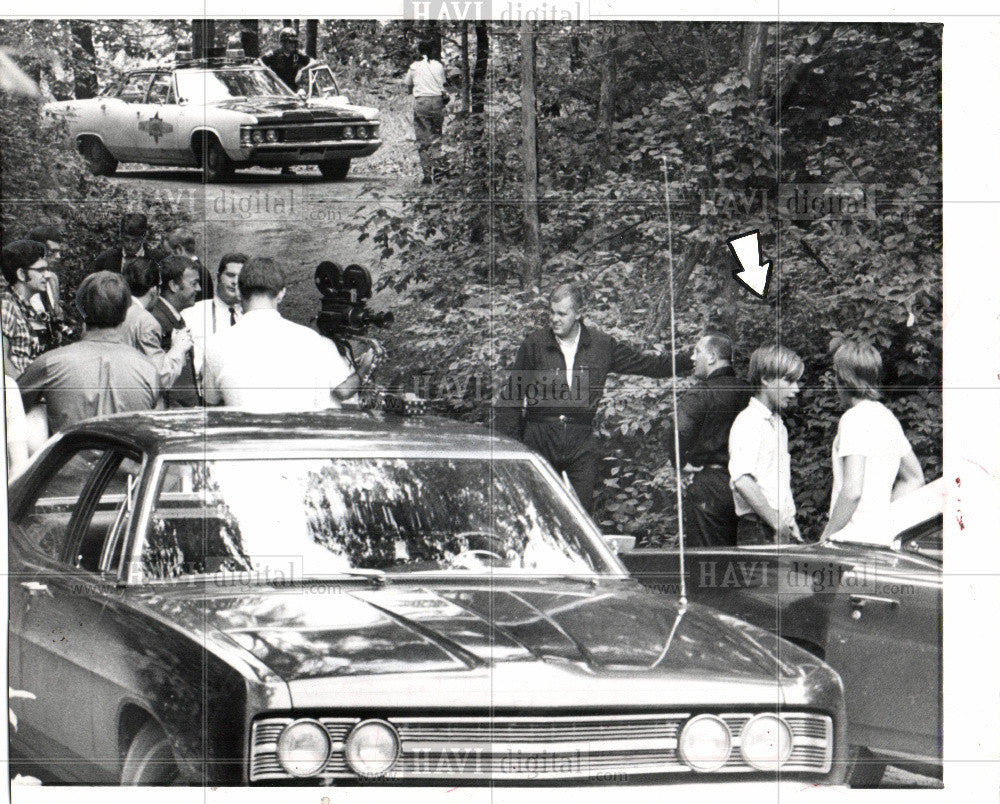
[155,127]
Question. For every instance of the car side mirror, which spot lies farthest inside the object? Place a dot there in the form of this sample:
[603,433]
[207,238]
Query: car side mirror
[619,542]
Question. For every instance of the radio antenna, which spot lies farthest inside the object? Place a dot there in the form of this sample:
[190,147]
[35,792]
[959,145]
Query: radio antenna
[673,386]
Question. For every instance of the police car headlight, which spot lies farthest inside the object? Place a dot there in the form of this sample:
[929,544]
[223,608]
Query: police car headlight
[362,133]
[766,742]
[258,136]
[372,747]
[349,133]
[705,743]
[304,748]
[272,135]
[245,136]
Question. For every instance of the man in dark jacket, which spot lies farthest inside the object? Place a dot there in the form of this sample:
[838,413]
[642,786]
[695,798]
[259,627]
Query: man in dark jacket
[556,382]
[179,286]
[705,415]
[134,229]
[286,60]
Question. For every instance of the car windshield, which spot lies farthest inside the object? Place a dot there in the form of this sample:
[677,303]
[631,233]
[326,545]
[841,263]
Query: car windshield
[326,517]
[210,86]
[324,82]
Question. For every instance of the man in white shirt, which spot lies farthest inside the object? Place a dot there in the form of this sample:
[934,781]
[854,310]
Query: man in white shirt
[215,315]
[425,79]
[759,463]
[269,364]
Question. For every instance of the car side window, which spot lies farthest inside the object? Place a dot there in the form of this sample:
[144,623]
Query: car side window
[926,538]
[162,89]
[134,88]
[46,522]
[110,515]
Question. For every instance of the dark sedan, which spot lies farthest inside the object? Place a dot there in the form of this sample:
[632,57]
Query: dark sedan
[868,603]
[223,598]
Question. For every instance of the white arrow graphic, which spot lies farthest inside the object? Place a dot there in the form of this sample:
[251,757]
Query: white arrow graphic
[754,272]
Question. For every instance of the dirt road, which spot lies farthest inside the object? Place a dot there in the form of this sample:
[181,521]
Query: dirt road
[301,219]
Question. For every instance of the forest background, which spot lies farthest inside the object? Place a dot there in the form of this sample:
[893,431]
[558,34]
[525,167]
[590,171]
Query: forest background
[824,137]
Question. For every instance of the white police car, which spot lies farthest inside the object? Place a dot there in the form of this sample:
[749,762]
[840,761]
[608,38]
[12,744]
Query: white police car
[218,114]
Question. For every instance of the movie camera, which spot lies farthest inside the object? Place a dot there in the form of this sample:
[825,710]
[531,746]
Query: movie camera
[344,313]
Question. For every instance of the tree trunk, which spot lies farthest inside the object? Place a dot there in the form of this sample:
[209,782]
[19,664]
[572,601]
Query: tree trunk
[466,94]
[574,53]
[312,34]
[531,275]
[752,56]
[479,71]
[84,60]
[250,38]
[609,94]
[202,36]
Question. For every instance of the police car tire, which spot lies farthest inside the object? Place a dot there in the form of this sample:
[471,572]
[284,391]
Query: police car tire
[99,159]
[217,165]
[335,169]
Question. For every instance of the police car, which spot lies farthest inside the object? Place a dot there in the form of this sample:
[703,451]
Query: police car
[220,114]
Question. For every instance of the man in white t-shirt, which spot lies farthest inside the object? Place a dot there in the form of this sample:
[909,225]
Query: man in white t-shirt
[267,363]
[873,463]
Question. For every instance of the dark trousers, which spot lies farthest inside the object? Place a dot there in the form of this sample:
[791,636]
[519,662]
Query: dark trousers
[428,121]
[570,448]
[709,515]
[751,529]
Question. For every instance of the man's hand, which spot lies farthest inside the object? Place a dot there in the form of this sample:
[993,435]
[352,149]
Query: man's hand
[181,341]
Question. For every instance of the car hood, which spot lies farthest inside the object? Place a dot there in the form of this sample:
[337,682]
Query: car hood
[275,111]
[342,630]
[340,104]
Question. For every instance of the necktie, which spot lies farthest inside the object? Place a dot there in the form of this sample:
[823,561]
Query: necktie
[232,315]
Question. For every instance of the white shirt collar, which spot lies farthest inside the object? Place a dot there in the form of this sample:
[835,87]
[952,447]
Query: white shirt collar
[760,409]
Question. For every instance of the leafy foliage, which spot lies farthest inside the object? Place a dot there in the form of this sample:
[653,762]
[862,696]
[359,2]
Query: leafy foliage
[847,114]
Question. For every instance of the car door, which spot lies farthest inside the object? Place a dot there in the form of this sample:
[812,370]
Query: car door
[120,117]
[885,641]
[61,596]
[158,137]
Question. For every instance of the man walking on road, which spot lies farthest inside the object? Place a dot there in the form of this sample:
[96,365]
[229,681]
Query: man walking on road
[705,415]
[425,79]
[557,381]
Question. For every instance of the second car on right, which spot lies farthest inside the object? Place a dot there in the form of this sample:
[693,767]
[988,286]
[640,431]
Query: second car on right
[870,607]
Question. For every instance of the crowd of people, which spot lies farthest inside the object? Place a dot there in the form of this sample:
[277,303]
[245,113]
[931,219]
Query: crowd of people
[732,442]
[152,338]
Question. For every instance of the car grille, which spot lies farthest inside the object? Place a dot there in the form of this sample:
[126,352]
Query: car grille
[323,133]
[580,747]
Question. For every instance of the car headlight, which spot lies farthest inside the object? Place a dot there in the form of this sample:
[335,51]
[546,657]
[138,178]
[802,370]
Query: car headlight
[362,133]
[245,136]
[304,748]
[705,743]
[372,747]
[258,136]
[272,135]
[349,133]
[766,742]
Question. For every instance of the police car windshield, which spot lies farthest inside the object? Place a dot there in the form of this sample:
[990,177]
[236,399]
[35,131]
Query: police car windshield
[210,86]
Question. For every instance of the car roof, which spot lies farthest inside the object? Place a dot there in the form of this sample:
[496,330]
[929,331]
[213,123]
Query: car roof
[219,430]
